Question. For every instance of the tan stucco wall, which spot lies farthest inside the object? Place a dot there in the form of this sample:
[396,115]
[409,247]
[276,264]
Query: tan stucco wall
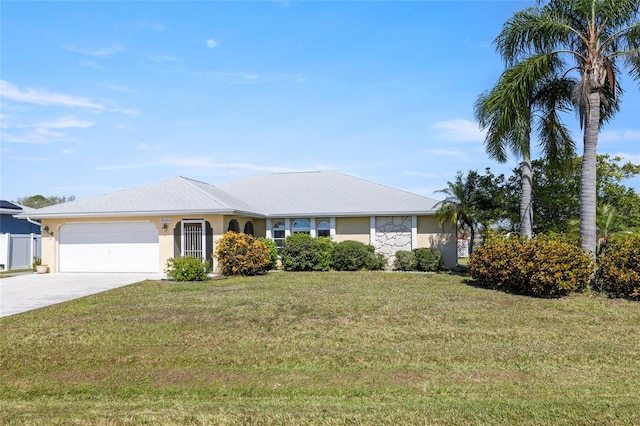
[165,237]
[353,228]
[259,225]
[431,235]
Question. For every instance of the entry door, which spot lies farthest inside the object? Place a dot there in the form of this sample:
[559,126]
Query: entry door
[193,238]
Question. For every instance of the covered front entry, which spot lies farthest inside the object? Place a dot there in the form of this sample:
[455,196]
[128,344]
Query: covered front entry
[108,247]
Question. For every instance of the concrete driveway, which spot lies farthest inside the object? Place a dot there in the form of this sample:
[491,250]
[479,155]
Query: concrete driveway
[30,291]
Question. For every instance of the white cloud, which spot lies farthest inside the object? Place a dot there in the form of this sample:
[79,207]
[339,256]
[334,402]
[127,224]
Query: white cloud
[35,136]
[633,158]
[206,162]
[65,122]
[102,52]
[41,97]
[67,151]
[619,136]
[212,42]
[459,130]
[161,59]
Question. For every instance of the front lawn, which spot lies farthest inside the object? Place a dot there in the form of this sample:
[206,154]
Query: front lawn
[322,348]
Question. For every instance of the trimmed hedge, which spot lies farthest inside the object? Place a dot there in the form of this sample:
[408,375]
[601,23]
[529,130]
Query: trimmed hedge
[301,252]
[405,261]
[187,268]
[241,254]
[542,266]
[354,256]
[619,268]
[420,259]
[428,259]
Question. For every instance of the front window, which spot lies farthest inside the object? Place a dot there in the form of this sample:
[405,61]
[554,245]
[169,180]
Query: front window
[278,234]
[301,226]
[234,226]
[323,229]
[248,228]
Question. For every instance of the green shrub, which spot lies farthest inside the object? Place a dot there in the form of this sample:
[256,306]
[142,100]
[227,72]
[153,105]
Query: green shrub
[619,268]
[542,266]
[354,256]
[241,254]
[495,264]
[273,252]
[405,261]
[187,268]
[377,262]
[428,259]
[301,252]
[324,248]
[555,267]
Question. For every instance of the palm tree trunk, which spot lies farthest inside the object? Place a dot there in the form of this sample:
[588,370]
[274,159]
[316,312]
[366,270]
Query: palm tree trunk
[588,176]
[526,200]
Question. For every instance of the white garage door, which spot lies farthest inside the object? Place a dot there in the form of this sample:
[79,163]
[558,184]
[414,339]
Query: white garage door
[108,247]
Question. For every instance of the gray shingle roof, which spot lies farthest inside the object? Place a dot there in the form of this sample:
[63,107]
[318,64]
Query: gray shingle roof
[324,193]
[174,196]
[274,195]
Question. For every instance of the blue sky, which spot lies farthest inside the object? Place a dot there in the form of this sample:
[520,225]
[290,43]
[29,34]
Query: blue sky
[102,96]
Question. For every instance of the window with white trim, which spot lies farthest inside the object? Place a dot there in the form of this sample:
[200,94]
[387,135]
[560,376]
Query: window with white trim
[301,226]
[323,228]
[279,233]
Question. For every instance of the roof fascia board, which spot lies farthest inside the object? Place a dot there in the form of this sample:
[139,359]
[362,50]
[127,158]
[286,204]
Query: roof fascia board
[352,214]
[137,214]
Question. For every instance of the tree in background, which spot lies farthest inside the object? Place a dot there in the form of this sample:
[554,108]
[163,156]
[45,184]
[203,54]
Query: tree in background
[39,201]
[597,36]
[473,202]
[527,96]
[556,192]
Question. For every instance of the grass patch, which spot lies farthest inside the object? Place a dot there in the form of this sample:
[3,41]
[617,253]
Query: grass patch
[322,348]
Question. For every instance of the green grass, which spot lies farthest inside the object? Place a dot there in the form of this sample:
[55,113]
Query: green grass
[322,348]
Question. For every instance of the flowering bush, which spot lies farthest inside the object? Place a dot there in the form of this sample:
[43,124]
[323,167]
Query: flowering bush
[241,254]
[541,266]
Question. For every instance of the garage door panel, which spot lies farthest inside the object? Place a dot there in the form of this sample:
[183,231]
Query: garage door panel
[109,247]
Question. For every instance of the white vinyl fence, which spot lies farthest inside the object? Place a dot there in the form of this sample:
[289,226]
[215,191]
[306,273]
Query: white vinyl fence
[17,251]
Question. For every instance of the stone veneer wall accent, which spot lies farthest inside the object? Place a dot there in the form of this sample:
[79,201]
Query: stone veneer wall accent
[393,233]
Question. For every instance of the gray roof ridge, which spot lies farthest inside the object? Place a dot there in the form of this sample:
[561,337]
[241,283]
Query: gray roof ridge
[190,182]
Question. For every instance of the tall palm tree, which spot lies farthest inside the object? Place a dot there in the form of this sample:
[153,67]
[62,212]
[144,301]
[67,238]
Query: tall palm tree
[457,207]
[527,95]
[596,36]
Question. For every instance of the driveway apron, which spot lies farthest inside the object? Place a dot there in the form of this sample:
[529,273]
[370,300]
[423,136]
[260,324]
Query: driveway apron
[22,293]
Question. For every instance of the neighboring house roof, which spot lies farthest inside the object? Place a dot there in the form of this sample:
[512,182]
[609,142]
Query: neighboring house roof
[7,207]
[274,195]
[325,193]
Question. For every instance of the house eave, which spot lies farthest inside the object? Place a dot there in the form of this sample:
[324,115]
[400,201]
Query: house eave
[155,213]
[351,214]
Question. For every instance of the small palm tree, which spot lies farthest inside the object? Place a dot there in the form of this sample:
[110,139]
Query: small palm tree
[609,226]
[457,207]
[525,96]
[597,37]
